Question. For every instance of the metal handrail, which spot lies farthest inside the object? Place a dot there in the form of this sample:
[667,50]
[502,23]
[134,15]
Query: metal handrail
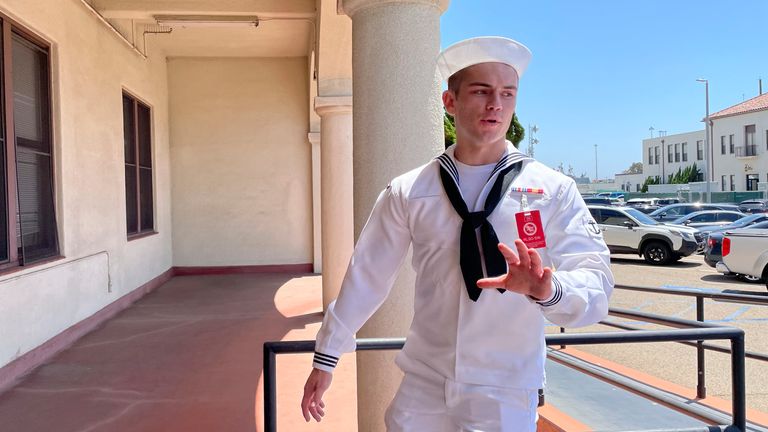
[701,347]
[700,333]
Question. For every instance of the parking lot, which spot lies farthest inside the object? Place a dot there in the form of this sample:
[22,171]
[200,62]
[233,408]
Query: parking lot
[675,362]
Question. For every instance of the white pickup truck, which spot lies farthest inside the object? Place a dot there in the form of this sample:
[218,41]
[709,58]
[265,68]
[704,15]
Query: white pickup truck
[745,251]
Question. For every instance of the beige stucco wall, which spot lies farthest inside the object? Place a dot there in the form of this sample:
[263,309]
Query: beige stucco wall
[90,69]
[241,161]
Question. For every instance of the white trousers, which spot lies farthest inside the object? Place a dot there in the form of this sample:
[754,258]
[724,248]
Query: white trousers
[438,405]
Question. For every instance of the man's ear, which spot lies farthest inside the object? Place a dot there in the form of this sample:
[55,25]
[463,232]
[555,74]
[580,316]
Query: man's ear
[449,102]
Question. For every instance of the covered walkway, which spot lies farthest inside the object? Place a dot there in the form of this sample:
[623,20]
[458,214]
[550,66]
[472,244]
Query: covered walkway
[186,357]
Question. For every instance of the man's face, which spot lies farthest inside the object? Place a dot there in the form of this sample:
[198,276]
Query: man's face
[484,103]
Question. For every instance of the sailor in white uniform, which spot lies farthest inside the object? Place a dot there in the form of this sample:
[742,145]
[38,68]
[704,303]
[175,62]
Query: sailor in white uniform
[501,243]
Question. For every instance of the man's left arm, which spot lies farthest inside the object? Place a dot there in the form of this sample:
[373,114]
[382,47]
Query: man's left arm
[582,281]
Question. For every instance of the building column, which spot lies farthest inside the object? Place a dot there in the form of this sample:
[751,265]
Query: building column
[335,190]
[317,254]
[398,122]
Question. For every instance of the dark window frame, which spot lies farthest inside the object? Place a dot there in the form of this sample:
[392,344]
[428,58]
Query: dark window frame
[16,258]
[699,150]
[752,181]
[141,231]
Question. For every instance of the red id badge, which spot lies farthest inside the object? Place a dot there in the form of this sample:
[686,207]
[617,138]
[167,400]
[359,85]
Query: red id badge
[530,230]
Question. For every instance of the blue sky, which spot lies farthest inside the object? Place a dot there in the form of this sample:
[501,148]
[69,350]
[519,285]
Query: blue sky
[604,71]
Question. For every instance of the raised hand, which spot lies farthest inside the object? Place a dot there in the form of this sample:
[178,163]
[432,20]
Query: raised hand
[312,402]
[526,274]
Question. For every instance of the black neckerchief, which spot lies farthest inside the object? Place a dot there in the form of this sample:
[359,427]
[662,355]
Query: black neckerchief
[505,170]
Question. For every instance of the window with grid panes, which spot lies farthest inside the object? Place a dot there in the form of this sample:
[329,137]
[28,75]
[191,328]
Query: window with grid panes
[137,139]
[28,231]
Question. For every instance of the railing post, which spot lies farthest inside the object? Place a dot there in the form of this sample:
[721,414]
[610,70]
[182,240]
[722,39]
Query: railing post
[739,384]
[701,389]
[270,389]
[562,330]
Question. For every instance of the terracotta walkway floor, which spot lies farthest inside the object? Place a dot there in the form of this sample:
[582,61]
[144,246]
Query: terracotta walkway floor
[187,357]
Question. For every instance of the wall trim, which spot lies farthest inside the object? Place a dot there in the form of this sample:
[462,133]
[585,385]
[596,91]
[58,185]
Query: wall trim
[11,373]
[14,371]
[220,270]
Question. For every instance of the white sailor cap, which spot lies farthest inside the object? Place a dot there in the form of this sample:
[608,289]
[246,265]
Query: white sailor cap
[486,49]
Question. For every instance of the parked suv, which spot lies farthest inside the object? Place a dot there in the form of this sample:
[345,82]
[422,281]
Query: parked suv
[628,230]
[754,206]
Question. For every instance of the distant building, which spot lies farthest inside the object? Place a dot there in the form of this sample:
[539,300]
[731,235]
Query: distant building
[664,155]
[740,146]
[739,149]
[630,182]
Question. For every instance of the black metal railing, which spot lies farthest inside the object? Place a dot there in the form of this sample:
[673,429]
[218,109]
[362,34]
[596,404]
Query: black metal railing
[701,333]
[701,347]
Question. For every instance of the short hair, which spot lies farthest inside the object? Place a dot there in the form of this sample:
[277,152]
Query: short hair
[454,82]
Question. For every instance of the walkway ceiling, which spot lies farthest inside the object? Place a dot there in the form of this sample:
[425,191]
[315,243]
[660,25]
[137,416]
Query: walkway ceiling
[286,27]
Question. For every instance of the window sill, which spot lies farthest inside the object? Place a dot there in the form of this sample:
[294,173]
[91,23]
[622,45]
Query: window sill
[9,269]
[141,235]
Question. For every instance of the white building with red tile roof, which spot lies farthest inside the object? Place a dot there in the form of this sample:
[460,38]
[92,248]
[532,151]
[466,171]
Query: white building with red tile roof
[740,145]
[739,149]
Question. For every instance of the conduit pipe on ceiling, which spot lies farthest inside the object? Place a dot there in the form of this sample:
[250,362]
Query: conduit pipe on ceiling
[114,30]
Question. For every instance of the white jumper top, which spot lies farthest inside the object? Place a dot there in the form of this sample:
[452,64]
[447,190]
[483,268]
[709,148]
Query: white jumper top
[498,340]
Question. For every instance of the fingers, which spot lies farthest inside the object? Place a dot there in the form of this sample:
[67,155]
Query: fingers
[508,254]
[305,401]
[315,408]
[318,403]
[546,275]
[493,282]
[522,253]
[535,259]
[312,404]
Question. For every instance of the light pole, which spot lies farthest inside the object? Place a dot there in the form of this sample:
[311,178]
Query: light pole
[596,162]
[706,141]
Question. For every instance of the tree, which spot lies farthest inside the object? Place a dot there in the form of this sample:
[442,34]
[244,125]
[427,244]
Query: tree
[515,133]
[635,168]
[649,181]
[450,130]
[684,176]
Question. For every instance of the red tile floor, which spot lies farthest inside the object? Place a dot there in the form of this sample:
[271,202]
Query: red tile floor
[186,357]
